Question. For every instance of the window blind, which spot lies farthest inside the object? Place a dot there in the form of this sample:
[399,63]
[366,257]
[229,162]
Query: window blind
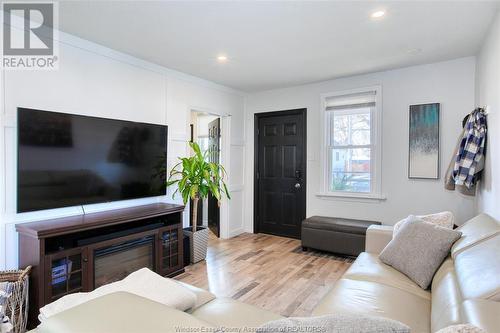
[351,101]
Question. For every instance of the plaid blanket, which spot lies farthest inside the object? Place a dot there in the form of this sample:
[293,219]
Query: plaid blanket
[471,149]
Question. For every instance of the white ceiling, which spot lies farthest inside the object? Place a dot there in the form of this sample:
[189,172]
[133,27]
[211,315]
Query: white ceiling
[278,44]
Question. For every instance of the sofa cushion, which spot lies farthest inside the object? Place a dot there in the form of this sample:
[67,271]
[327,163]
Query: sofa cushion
[418,249]
[228,312]
[478,270]
[369,267]
[120,312]
[446,297]
[376,299]
[474,231]
[335,323]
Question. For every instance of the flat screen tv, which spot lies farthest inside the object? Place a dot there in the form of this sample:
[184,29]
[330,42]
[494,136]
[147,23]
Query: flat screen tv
[67,160]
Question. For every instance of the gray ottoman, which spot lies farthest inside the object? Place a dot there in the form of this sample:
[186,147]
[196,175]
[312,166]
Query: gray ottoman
[332,234]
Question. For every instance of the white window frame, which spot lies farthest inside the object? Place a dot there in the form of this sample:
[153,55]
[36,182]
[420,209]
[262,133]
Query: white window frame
[375,154]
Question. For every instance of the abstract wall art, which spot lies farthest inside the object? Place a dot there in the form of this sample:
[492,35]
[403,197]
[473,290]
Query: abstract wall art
[423,156]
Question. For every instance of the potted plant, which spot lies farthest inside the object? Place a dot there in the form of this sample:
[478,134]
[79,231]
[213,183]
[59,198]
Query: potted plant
[196,178]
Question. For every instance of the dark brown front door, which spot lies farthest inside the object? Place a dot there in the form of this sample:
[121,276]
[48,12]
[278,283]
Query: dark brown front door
[213,156]
[280,172]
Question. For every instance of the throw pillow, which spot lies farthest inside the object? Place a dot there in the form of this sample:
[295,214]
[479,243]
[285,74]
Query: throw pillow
[418,249]
[442,219]
[335,323]
[465,328]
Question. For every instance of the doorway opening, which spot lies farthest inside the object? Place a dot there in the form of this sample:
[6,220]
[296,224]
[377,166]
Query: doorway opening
[206,131]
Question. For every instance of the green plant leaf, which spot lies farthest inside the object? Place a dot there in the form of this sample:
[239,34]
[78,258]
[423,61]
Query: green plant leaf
[193,192]
[196,177]
[226,191]
[215,191]
[196,149]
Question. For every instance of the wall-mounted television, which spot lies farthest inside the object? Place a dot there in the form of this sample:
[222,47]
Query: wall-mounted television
[67,160]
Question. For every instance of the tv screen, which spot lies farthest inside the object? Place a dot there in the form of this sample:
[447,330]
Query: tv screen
[67,160]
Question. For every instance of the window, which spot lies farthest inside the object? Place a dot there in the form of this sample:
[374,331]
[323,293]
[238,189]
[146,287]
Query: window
[203,143]
[351,153]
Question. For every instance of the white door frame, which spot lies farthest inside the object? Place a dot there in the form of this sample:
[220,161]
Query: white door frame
[225,151]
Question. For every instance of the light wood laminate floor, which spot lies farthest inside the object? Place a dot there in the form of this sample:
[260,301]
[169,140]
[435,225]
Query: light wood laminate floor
[265,271]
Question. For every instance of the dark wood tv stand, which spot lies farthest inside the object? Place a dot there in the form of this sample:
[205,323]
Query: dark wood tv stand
[80,253]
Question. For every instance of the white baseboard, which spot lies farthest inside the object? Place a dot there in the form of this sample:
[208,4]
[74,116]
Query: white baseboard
[236,232]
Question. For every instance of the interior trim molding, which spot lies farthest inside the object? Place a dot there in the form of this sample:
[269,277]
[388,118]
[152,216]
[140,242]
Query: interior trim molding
[238,143]
[236,232]
[236,187]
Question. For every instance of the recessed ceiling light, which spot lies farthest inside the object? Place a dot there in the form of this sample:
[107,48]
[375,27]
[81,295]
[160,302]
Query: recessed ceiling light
[378,14]
[222,58]
[414,51]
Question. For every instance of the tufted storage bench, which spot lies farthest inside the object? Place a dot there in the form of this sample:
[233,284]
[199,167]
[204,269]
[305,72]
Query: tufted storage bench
[333,234]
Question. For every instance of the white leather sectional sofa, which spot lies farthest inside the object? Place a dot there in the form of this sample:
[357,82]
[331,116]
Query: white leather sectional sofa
[465,289]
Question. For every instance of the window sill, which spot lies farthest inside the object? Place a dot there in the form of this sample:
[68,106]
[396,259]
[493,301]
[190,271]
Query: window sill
[351,196]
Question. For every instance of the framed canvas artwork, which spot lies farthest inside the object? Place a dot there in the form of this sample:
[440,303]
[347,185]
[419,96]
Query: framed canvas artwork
[423,156]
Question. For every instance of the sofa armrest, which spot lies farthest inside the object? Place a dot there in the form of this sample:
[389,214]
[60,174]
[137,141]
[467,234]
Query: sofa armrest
[202,296]
[377,237]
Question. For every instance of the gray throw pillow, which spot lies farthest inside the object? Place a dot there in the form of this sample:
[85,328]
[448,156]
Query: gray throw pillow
[335,323]
[418,249]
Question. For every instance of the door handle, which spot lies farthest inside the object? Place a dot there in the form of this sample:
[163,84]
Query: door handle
[297,185]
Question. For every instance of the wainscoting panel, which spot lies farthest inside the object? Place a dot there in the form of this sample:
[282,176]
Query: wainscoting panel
[237,166]
[97,81]
[236,211]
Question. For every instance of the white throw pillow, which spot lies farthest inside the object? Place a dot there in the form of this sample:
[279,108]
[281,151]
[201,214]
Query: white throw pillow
[335,323]
[465,328]
[143,282]
[442,219]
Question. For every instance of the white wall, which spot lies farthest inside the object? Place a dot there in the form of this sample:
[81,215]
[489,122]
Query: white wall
[201,124]
[449,83]
[488,94]
[94,80]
